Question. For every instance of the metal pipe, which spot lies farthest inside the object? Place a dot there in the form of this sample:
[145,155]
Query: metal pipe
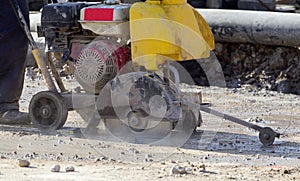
[230,118]
[208,110]
[257,27]
[56,74]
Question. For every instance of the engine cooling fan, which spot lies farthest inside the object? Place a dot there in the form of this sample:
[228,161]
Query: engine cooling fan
[98,63]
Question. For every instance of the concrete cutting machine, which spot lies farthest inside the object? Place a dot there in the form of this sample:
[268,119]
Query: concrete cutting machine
[125,57]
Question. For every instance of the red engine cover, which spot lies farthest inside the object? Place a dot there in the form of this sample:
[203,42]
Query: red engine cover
[117,13]
[99,14]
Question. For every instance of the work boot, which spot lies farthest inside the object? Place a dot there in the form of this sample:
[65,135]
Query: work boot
[14,117]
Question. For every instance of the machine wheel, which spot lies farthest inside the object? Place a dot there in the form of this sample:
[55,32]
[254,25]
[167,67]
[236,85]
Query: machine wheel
[267,136]
[48,111]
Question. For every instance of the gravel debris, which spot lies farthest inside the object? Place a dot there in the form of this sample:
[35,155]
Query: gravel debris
[55,168]
[23,163]
[70,168]
[176,169]
[254,68]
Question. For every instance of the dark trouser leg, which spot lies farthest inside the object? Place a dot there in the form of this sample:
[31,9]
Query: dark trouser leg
[13,50]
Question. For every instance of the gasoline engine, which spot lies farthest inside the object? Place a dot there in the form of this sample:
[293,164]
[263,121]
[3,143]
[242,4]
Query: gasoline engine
[91,36]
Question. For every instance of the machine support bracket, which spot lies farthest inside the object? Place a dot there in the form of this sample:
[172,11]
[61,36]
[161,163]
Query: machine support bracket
[266,134]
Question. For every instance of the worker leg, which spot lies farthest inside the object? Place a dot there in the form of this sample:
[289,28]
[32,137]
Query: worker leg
[13,51]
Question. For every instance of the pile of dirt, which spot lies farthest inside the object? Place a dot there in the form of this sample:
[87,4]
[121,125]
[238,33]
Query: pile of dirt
[272,68]
[262,67]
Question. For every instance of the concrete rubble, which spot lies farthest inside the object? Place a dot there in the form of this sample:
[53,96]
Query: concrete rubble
[266,67]
[254,67]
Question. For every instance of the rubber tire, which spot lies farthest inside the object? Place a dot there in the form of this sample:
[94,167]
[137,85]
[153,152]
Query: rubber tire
[267,132]
[60,108]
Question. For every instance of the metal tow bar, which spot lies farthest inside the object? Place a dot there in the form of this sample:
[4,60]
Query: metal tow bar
[266,134]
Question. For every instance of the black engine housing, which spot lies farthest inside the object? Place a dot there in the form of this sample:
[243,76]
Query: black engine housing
[61,14]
